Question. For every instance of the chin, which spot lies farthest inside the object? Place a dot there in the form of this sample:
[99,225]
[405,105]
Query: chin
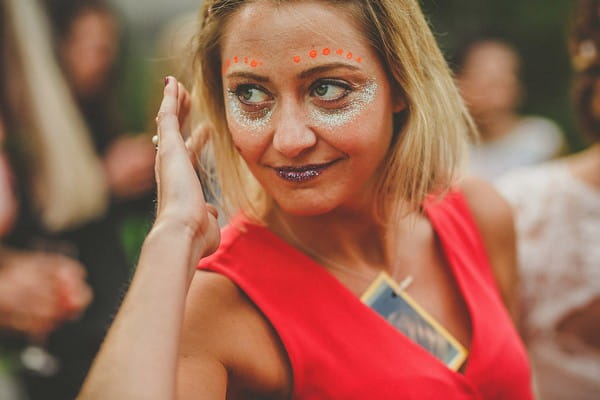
[304,209]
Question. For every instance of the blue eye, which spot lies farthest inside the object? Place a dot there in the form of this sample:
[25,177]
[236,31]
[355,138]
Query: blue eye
[330,91]
[251,94]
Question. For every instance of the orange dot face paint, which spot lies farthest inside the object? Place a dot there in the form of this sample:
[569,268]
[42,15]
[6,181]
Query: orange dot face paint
[312,54]
[325,52]
[236,59]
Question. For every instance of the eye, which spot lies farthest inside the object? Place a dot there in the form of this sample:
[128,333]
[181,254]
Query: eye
[252,94]
[330,90]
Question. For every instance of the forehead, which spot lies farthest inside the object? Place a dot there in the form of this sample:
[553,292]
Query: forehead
[263,29]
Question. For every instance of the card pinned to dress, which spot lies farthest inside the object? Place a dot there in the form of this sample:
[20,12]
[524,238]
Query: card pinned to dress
[389,300]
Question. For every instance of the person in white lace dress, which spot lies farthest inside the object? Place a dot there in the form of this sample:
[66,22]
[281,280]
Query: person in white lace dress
[557,212]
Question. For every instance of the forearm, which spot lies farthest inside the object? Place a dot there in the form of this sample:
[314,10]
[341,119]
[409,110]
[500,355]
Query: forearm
[138,357]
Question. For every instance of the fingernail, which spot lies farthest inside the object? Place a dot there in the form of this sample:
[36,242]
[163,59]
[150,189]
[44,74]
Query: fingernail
[166,80]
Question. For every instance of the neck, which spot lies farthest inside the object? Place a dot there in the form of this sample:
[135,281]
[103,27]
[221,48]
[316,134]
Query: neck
[354,240]
[493,126]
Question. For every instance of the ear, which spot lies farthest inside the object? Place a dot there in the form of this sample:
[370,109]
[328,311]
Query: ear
[398,102]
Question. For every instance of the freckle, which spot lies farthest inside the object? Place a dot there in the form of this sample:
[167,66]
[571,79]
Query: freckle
[253,63]
[326,51]
[235,59]
[246,60]
[349,56]
[296,59]
[359,60]
[312,54]
[339,51]
[259,63]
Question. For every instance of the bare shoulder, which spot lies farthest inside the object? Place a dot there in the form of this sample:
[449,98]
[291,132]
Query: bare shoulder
[494,219]
[220,321]
[491,211]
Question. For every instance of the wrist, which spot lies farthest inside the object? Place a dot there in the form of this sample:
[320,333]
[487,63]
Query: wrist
[175,239]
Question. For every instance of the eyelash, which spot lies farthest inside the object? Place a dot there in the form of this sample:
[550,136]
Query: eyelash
[239,90]
[347,89]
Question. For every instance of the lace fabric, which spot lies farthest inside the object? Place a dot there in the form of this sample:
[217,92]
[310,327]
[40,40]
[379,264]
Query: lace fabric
[557,218]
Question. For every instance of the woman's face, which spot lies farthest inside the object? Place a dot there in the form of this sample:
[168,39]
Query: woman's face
[90,50]
[308,104]
[489,81]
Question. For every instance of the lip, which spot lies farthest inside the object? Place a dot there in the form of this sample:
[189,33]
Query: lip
[302,173]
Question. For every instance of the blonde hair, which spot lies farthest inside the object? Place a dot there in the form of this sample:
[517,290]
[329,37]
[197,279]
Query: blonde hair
[68,181]
[429,148]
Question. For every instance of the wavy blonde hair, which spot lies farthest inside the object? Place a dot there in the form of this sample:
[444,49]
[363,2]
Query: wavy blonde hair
[429,146]
[68,183]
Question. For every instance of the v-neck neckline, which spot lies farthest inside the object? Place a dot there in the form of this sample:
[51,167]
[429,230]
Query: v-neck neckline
[450,258]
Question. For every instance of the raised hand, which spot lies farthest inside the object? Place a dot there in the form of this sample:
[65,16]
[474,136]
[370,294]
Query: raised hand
[180,198]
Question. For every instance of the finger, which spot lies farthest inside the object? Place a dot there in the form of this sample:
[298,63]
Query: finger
[183,111]
[195,143]
[167,118]
[212,210]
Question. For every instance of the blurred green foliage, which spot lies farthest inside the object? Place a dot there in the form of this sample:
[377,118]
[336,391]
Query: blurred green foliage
[537,28]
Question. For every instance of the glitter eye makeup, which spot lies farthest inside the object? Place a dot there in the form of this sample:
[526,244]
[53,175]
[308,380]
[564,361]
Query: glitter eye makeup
[258,116]
[337,116]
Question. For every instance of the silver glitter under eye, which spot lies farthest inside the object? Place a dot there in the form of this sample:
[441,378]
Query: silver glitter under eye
[335,118]
[253,121]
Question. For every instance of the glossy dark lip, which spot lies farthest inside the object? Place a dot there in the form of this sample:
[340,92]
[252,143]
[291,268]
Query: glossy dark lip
[302,173]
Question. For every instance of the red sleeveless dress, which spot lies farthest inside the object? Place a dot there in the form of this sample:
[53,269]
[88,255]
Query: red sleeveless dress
[341,349]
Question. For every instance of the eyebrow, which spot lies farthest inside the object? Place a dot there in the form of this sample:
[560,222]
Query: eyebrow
[324,68]
[302,75]
[249,75]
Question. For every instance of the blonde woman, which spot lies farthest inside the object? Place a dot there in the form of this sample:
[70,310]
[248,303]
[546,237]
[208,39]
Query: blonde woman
[338,136]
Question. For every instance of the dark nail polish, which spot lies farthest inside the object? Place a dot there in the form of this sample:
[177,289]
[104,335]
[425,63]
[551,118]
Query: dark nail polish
[166,80]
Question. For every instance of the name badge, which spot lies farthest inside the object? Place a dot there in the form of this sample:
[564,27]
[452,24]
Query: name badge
[388,299]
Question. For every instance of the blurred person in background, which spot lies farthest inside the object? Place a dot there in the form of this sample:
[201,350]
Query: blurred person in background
[87,39]
[488,76]
[557,210]
[63,247]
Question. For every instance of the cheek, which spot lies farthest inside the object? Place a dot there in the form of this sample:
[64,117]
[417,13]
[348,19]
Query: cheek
[250,146]
[254,123]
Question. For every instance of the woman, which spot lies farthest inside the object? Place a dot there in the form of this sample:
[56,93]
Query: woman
[328,120]
[489,80]
[557,210]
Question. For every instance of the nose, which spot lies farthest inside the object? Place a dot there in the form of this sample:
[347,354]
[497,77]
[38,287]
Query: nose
[292,134]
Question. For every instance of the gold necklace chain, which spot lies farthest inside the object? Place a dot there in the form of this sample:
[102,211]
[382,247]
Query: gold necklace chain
[329,264]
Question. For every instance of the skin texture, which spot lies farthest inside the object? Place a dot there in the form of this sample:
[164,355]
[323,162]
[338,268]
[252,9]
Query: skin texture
[329,215]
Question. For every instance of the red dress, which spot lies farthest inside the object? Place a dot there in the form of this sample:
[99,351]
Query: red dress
[341,349]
